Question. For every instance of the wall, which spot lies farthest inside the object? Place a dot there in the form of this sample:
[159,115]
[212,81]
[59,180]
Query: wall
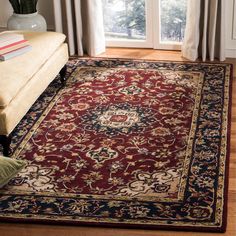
[231,28]
[45,7]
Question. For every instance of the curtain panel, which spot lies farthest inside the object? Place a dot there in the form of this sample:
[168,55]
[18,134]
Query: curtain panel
[205,30]
[82,22]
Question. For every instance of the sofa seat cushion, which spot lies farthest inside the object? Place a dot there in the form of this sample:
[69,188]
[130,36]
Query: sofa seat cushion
[16,73]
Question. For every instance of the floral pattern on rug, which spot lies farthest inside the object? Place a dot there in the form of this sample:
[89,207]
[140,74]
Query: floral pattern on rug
[126,143]
[118,119]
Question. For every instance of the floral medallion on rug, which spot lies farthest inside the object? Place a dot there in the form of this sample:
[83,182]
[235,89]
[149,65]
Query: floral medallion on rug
[126,143]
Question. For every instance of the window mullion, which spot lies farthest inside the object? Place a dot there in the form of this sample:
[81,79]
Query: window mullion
[155,24]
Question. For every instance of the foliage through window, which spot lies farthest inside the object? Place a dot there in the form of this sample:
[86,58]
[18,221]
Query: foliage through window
[173,19]
[128,19]
[125,19]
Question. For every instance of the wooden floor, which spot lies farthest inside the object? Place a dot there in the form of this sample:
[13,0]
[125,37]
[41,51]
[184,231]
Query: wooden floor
[41,230]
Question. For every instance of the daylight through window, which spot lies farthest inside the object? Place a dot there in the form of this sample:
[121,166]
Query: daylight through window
[142,22]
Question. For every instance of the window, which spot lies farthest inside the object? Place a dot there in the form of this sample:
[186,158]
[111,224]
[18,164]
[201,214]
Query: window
[126,23]
[172,21]
[145,23]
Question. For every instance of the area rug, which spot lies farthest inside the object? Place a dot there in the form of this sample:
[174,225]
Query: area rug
[126,143]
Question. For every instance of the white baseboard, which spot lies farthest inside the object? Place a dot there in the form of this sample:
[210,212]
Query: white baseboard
[230,53]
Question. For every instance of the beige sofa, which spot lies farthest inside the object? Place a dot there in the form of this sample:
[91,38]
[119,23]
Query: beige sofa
[24,78]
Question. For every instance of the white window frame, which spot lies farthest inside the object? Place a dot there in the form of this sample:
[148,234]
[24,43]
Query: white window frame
[153,40]
[157,43]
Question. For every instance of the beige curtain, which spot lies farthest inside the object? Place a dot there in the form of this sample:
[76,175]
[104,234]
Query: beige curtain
[205,30]
[82,22]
